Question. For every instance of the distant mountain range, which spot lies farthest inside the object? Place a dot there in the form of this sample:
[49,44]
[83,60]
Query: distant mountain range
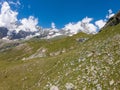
[42,33]
[45,32]
[52,32]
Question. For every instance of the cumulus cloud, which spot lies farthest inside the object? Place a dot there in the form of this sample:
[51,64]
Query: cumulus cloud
[100,23]
[72,27]
[28,25]
[110,11]
[53,25]
[87,20]
[84,25]
[8,19]
[110,14]
[88,27]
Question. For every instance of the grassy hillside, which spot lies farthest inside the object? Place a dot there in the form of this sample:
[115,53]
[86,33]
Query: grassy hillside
[84,62]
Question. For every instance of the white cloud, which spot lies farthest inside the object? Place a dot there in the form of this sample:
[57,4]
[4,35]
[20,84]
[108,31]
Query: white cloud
[85,26]
[53,25]
[88,27]
[28,25]
[110,11]
[87,20]
[111,14]
[8,19]
[73,27]
[100,23]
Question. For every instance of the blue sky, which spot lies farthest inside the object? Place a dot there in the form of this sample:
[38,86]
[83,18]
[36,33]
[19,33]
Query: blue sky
[62,12]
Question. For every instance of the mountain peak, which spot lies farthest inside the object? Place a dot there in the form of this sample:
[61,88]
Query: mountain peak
[113,20]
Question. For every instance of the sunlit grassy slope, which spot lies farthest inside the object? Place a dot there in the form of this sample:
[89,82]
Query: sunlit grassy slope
[92,64]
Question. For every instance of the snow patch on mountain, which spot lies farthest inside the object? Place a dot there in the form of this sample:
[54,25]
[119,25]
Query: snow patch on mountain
[28,27]
[8,19]
[84,25]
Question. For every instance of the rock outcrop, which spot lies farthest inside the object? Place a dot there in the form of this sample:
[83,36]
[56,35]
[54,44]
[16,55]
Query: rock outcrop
[3,32]
[113,20]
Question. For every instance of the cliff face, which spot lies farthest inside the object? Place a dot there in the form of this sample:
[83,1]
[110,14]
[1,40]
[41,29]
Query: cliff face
[113,20]
[3,32]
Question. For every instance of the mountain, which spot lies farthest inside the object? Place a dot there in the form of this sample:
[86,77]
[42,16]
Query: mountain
[3,32]
[79,62]
[113,20]
[41,33]
[18,31]
[20,35]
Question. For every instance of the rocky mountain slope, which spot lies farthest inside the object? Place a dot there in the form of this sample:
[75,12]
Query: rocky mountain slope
[113,20]
[79,62]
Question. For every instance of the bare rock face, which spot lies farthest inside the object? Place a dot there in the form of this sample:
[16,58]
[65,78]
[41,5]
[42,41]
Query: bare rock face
[7,44]
[13,35]
[39,53]
[3,32]
[113,20]
[21,34]
[81,39]
[55,53]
